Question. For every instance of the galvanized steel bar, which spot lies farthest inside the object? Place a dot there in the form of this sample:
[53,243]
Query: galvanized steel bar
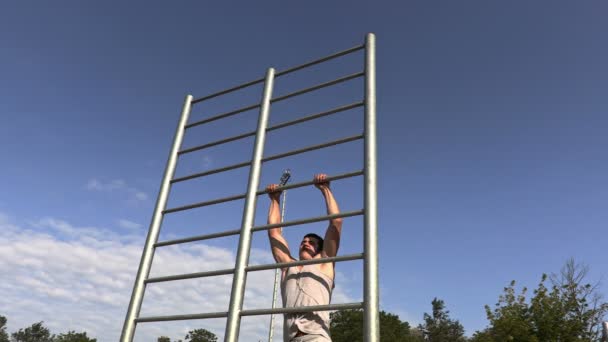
[253,268]
[182,317]
[308,220]
[272,128]
[210,172]
[330,307]
[307,183]
[255,312]
[204,204]
[229,90]
[238,284]
[280,73]
[190,276]
[218,142]
[315,116]
[370,288]
[128,330]
[221,116]
[258,228]
[320,60]
[198,238]
[318,86]
[349,257]
[314,147]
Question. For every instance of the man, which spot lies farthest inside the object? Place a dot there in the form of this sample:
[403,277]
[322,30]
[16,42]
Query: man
[309,284]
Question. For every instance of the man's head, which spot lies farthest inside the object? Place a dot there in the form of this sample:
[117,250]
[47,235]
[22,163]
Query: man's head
[311,245]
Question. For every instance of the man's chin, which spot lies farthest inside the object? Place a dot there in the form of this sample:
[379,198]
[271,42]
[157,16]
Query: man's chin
[306,255]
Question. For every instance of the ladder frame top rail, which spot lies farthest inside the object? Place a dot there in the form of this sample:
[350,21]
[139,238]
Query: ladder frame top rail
[275,127]
[321,60]
[279,98]
[254,229]
[281,73]
[330,307]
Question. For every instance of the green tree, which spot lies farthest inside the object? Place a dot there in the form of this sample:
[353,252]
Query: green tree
[72,336]
[347,326]
[201,335]
[439,327]
[569,309]
[3,333]
[163,339]
[510,319]
[37,332]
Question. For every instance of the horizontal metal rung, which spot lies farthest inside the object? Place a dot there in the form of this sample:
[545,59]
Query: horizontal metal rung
[330,307]
[181,317]
[315,116]
[308,220]
[215,143]
[302,184]
[203,204]
[320,60]
[190,276]
[221,116]
[259,228]
[312,148]
[318,86]
[229,90]
[210,172]
[275,127]
[198,238]
[280,73]
[304,262]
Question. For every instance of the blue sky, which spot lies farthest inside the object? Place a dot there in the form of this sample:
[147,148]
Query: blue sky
[491,145]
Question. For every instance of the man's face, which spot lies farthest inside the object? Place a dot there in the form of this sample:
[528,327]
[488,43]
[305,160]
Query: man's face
[309,245]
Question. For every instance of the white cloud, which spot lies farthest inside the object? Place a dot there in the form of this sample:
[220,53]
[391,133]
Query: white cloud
[128,224]
[81,278]
[116,185]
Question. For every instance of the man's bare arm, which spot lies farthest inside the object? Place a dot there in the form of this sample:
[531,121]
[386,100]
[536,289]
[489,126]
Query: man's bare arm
[334,230]
[278,244]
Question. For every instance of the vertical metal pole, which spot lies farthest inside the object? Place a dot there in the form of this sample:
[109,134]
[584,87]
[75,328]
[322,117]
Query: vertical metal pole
[372,319]
[128,329]
[242,258]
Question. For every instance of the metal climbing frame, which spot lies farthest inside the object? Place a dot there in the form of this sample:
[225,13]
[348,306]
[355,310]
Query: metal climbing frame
[235,310]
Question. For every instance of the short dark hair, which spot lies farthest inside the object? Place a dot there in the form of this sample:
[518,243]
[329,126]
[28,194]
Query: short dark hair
[319,239]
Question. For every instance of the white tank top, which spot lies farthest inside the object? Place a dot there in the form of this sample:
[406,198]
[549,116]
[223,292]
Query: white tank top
[306,287]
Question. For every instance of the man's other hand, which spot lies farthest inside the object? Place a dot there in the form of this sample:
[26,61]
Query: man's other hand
[321,181]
